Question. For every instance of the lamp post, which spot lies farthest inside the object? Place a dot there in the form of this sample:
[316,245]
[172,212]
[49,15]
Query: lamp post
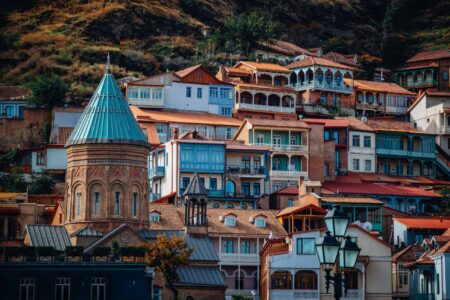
[336,251]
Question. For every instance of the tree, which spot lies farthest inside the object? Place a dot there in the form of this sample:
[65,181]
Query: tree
[48,91]
[166,255]
[41,184]
[444,203]
[13,182]
[369,63]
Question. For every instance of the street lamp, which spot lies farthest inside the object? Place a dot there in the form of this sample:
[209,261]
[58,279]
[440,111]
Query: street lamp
[336,252]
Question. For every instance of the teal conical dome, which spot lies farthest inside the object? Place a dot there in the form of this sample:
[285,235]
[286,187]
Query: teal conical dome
[107,119]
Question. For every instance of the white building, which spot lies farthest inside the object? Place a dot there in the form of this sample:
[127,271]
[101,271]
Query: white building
[191,89]
[361,147]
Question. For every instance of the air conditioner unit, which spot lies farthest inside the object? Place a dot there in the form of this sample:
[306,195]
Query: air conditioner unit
[251,220]
[221,218]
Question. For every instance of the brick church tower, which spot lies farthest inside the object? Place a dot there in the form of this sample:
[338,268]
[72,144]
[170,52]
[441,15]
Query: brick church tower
[106,179]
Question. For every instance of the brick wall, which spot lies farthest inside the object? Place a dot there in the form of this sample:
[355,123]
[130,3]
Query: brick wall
[24,133]
[316,150]
[329,158]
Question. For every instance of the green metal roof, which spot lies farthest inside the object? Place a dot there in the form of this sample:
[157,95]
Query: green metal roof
[43,235]
[107,119]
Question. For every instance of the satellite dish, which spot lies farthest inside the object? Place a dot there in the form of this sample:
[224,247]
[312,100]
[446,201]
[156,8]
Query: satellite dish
[367,226]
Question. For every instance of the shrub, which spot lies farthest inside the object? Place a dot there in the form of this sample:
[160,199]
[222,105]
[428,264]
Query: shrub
[48,91]
[102,251]
[73,250]
[46,251]
[132,251]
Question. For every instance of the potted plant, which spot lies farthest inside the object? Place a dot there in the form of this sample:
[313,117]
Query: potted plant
[132,254]
[73,253]
[45,254]
[101,253]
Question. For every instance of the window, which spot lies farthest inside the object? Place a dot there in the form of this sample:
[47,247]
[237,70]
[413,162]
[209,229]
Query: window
[41,157]
[245,189]
[133,94]
[260,222]
[117,204]
[226,111]
[326,170]
[186,181]
[305,246]
[62,288]
[199,93]
[403,276]
[144,94]
[188,91]
[78,200]
[216,205]
[245,247]
[260,139]
[230,221]
[21,111]
[213,184]
[356,164]
[257,162]
[230,205]
[202,181]
[224,93]
[276,140]
[367,141]
[293,140]
[156,293]
[157,94]
[246,163]
[290,202]
[368,165]
[27,287]
[98,288]
[438,282]
[355,141]
[281,280]
[213,92]
[305,280]
[134,204]
[227,246]
[256,189]
[239,281]
[155,217]
[445,75]
[243,206]
[96,203]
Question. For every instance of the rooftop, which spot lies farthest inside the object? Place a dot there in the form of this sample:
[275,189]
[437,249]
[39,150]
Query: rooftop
[331,123]
[408,254]
[430,55]
[350,200]
[13,92]
[283,47]
[266,87]
[377,86]
[317,61]
[390,125]
[268,67]
[428,222]
[278,123]
[41,235]
[342,58]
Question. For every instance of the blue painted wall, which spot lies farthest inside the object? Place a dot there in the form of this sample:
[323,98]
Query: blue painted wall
[202,158]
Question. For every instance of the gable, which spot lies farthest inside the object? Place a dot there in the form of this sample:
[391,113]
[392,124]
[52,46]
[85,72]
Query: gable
[200,75]
[123,235]
[58,217]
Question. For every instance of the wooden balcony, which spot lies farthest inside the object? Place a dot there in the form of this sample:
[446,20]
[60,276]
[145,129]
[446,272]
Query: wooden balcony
[284,147]
[235,258]
[288,174]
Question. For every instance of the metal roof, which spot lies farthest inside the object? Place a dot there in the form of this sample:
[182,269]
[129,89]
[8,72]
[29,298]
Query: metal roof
[107,119]
[200,276]
[89,231]
[195,187]
[203,247]
[48,236]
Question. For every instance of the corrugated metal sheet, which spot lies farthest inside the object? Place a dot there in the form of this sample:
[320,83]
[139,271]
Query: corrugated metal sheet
[48,236]
[202,276]
[88,231]
[107,119]
[203,246]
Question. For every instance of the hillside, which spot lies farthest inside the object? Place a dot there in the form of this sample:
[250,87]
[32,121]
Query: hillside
[70,38]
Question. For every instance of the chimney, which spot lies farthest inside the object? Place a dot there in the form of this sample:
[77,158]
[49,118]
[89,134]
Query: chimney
[301,186]
[175,133]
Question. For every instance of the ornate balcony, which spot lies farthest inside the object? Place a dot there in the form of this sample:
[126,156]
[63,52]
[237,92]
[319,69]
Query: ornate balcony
[284,147]
[246,171]
[269,108]
[158,172]
[234,258]
[288,174]
[332,87]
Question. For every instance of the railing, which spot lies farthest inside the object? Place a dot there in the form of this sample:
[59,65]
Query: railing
[159,171]
[368,106]
[284,147]
[288,174]
[412,83]
[422,297]
[213,193]
[265,107]
[354,294]
[294,294]
[154,196]
[245,170]
[234,258]
[405,153]
[147,102]
[396,109]
[321,85]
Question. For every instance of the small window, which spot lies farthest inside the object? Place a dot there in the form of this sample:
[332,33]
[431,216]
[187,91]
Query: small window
[155,217]
[27,288]
[200,73]
[230,221]
[134,204]
[326,170]
[368,165]
[96,203]
[260,222]
[78,211]
[226,111]
[355,142]
[216,205]
[41,157]
[186,181]
[367,141]
[98,288]
[260,139]
[245,247]
[213,184]
[356,164]
[188,91]
[62,288]
[438,281]
[290,202]
[428,120]
[213,92]
[305,246]
[230,205]
[117,204]
[227,246]
[445,75]
[244,206]
[199,93]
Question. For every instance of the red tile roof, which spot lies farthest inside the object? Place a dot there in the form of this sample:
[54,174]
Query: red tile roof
[13,92]
[290,190]
[297,209]
[341,58]
[266,87]
[187,71]
[391,125]
[355,124]
[425,222]
[278,123]
[268,67]
[431,55]
[376,189]
[317,61]
[420,66]
[410,253]
[376,86]
[238,71]
[331,123]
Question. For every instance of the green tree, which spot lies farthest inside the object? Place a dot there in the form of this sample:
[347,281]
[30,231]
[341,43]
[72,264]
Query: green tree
[368,64]
[41,184]
[245,30]
[444,203]
[13,182]
[166,255]
[48,91]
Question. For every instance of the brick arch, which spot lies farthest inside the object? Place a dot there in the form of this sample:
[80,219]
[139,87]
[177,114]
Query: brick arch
[77,187]
[93,187]
[136,187]
[121,187]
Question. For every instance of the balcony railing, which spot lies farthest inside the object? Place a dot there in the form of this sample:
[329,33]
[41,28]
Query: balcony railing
[157,172]
[405,153]
[294,294]
[396,109]
[412,83]
[284,147]
[213,193]
[154,196]
[305,85]
[146,102]
[234,258]
[243,170]
[288,174]
[270,108]
[354,294]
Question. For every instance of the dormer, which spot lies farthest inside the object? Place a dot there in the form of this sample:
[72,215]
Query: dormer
[154,216]
[260,220]
[230,220]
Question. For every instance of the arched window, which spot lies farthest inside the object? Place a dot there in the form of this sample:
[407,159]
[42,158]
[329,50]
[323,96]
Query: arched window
[276,163]
[329,78]
[230,221]
[216,205]
[281,280]
[338,80]
[155,217]
[243,206]
[306,280]
[230,205]
[319,77]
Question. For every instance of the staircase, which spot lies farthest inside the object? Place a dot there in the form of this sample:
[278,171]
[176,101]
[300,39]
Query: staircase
[443,161]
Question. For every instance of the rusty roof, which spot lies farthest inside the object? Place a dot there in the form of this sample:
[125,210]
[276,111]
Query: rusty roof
[392,126]
[317,61]
[268,67]
[342,123]
[409,254]
[283,47]
[278,123]
[351,200]
[62,135]
[430,55]
[439,222]
[377,86]
[14,92]
[238,71]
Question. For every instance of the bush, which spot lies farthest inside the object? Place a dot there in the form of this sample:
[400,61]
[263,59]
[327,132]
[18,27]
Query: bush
[41,184]
[46,251]
[73,250]
[132,251]
[48,91]
[102,251]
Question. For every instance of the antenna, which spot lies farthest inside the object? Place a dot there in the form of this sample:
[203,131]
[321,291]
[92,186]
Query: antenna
[107,64]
